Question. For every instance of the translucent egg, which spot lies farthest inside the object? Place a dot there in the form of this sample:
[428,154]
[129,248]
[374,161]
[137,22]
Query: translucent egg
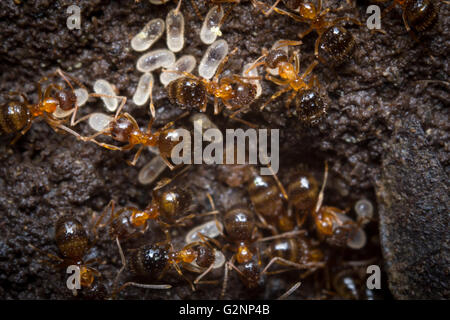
[155,59]
[210,27]
[212,58]
[358,241]
[99,121]
[175,30]
[277,46]
[151,32]
[152,170]
[185,63]
[205,122]
[210,229]
[102,86]
[142,93]
[252,73]
[364,209]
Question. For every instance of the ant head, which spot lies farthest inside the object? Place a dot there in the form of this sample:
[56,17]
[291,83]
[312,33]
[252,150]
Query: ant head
[308,11]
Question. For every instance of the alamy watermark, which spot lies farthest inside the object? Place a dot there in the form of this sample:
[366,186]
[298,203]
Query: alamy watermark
[236,147]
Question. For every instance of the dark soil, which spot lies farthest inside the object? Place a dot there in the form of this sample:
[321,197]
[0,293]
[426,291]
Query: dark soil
[373,152]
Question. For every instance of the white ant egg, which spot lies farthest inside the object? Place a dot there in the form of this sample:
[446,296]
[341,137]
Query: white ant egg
[151,32]
[210,229]
[209,31]
[175,30]
[252,73]
[155,59]
[158,2]
[185,63]
[142,93]
[99,121]
[364,210]
[212,58]
[102,86]
[151,170]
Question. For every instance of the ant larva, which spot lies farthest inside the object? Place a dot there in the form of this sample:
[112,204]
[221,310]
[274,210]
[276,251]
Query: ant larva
[337,42]
[417,15]
[73,243]
[334,225]
[192,91]
[309,106]
[54,105]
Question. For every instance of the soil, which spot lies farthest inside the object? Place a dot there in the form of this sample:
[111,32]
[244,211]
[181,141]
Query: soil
[385,137]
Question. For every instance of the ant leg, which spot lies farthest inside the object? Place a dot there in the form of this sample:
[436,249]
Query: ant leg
[274,96]
[277,81]
[320,197]
[177,268]
[305,33]
[290,291]
[21,133]
[319,5]
[310,69]
[285,43]
[296,63]
[111,204]
[289,263]
[124,263]
[225,277]
[216,106]
[152,106]
[291,15]
[22,95]
[289,100]
[222,65]
[51,256]
[196,281]
[196,10]
[49,89]
[136,156]
[142,285]
[122,104]
[167,162]
[282,235]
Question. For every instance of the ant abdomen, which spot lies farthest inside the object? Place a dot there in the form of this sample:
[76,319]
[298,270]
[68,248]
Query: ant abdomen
[303,190]
[121,129]
[173,202]
[309,106]
[251,274]
[338,44]
[205,256]
[67,99]
[265,196]
[14,116]
[71,238]
[239,224]
[121,227]
[274,57]
[347,284]
[149,260]
[167,140]
[188,93]
[243,94]
[421,14]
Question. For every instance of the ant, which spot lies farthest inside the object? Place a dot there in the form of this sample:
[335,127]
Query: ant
[165,208]
[154,260]
[336,41]
[333,225]
[192,91]
[17,116]
[309,106]
[73,243]
[124,128]
[417,15]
